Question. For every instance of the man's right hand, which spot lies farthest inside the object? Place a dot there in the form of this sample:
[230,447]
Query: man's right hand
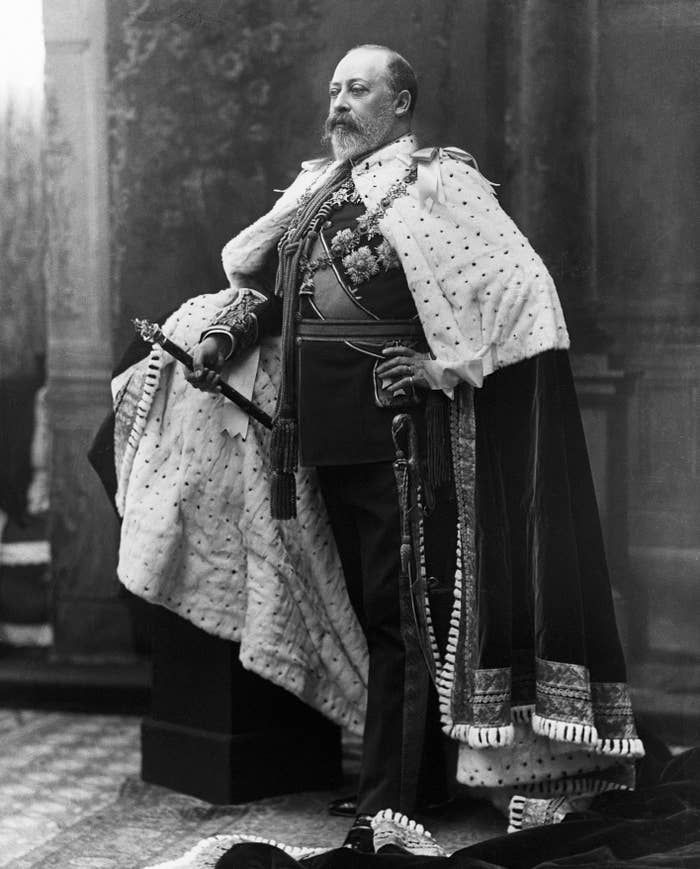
[209,357]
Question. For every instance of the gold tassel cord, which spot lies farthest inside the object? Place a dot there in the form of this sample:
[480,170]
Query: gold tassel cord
[293,248]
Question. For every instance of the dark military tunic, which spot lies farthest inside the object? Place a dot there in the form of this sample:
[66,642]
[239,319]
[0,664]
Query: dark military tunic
[340,422]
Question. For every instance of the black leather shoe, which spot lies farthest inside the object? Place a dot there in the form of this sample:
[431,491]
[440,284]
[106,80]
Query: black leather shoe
[344,807]
[360,836]
[435,807]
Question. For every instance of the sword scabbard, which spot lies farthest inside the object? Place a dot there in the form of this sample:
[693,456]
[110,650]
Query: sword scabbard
[413,580]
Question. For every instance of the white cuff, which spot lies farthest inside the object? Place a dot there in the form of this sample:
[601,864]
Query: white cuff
[445,375]
[240,290]
[220,330]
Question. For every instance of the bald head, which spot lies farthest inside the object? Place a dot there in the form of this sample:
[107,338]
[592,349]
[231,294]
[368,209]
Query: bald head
[369,106]
[400,74]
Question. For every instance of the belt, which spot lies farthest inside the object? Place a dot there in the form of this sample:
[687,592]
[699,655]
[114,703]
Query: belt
[344,330]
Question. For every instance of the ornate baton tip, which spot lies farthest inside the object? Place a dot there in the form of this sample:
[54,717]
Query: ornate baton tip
[147,330]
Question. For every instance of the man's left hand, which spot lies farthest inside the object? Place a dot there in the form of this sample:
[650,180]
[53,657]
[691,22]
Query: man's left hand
[404,368]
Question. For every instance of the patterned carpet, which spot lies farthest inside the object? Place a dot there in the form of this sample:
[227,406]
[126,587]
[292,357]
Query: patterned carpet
[71,796]
[55,770]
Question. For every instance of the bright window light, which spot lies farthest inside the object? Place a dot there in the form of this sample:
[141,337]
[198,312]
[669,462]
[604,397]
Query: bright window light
[21,57]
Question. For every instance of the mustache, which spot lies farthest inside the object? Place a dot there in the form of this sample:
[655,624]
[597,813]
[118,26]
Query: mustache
[345,122]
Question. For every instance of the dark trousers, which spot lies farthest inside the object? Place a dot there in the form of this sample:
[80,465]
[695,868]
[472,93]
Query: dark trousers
[362,503]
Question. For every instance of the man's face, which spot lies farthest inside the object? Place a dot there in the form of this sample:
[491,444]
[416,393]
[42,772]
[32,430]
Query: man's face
[361,115]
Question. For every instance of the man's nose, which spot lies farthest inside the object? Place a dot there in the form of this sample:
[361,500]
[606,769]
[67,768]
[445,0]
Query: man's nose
[339,102]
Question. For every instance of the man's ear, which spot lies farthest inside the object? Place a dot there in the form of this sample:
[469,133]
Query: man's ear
[403,104]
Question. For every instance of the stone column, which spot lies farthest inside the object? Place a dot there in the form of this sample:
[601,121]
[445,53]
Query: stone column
[549,83]
[551,106]
[89,617]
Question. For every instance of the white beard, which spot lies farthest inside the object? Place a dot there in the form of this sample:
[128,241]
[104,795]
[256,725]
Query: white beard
[348,143]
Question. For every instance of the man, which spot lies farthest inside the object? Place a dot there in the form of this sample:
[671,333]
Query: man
[399,285]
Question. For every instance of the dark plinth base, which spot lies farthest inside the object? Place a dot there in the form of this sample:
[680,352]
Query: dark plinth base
[238,768]
[223,734]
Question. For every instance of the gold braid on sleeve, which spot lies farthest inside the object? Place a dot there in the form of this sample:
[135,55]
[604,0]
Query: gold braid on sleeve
[240,318]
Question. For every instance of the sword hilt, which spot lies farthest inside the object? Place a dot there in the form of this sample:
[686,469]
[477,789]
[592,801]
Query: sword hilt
[407,473]
[405,437]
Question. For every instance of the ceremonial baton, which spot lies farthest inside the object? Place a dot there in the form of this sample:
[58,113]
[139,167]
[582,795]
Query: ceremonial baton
[152,333]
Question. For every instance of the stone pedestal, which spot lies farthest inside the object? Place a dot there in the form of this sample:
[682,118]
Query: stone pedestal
[223,734]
